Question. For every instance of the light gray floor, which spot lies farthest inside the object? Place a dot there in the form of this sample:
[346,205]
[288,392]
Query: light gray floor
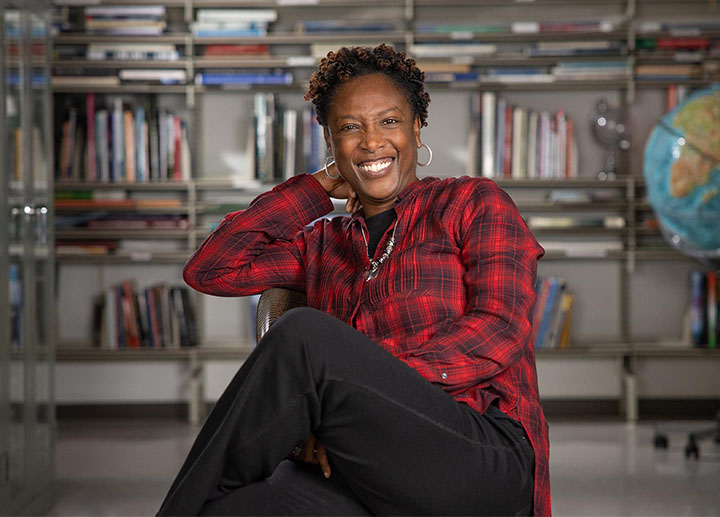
[121,468]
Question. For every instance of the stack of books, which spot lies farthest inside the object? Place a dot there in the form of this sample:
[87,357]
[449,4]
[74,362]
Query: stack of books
[135,20]
[509,141]
[132,51]
[159,316]
[122,143]
[228,51]
[232,23]
[592,70]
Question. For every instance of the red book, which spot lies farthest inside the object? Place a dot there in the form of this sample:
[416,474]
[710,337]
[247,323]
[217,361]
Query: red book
[507,152]
[682,43]
[671,97]
[130,316]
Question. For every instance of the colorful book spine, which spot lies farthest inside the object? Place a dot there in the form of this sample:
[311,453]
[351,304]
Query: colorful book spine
[698,312]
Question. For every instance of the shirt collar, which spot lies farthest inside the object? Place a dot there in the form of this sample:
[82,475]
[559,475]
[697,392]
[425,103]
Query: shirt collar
[407,194]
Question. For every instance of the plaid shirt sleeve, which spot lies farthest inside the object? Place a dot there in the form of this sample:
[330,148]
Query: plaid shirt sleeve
[261,247]
[500,256]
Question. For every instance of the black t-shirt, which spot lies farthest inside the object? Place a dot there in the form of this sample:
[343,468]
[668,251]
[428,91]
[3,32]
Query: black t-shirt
[377,226]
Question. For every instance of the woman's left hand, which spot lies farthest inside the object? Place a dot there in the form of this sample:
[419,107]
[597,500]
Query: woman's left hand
[312,452]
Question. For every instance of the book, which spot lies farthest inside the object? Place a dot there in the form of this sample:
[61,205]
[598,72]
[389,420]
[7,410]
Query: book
[240,78]
[698,311]
[236,15]
[507,142]
[519,142]
[712,309]
[488,134]
[290,143]
[499,137]
[92,163]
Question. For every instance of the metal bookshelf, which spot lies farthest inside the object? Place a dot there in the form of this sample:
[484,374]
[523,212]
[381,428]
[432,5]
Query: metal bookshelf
[630,202]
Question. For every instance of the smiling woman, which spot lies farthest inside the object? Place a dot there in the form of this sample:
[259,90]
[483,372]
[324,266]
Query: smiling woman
[408,386]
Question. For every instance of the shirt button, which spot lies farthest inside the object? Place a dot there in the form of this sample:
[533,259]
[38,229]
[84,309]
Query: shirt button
[443,375]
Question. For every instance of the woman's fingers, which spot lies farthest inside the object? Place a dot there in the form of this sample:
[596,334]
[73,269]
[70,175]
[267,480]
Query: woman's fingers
[321,455]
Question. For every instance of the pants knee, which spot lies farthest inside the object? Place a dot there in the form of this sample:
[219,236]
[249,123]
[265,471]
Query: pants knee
[295,328]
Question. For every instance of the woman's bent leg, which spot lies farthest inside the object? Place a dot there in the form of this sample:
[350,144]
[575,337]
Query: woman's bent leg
[402,444]
[293,489]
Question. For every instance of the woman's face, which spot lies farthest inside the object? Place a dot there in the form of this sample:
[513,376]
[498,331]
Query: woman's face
[373,136]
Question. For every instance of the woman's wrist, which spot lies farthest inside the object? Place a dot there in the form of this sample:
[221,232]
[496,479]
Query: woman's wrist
[322,178]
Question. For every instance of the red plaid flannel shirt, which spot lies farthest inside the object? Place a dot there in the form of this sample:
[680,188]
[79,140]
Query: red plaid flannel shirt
[454,301]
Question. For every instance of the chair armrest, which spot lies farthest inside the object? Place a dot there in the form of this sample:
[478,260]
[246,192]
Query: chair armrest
[274,303]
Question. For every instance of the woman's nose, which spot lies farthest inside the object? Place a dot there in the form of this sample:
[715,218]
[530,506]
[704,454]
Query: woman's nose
[373,140]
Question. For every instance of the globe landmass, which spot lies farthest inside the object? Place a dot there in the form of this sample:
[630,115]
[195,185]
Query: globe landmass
[682,171]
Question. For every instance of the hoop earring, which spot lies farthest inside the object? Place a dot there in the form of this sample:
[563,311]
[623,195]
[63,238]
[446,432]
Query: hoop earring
[328,162]
[429,160]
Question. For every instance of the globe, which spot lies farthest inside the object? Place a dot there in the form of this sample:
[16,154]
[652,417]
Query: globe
[682,173]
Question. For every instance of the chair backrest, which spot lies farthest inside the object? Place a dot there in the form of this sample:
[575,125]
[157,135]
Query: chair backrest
[274,303]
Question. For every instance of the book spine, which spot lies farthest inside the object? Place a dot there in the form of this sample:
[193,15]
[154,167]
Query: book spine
[118,168]
[532,145]
[711,308]
[488,134]
[507,142]
[698,293]
[500,138]
[92,166]
[129,139]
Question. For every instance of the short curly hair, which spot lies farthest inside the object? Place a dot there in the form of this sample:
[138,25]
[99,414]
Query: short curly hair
[348,63]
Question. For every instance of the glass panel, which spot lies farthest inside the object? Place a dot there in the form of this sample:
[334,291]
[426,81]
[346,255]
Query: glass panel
[13,23]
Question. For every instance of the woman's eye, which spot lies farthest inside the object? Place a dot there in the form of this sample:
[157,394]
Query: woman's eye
[348,127]
[389,121]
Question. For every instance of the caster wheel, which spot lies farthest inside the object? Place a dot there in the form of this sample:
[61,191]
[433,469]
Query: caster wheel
[661,441]
[692,451]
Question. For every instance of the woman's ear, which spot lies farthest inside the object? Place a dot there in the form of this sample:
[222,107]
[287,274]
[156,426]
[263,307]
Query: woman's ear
[328,141]
[416,130]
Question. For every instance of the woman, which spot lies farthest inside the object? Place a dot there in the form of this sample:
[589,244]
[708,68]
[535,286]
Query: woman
[411,379]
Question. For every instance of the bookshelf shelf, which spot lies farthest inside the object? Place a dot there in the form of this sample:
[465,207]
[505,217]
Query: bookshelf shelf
[89,353]
[499,37]
[572,183]
[292,38]
[184,209]
[292,51]
[580,84]
[117,63]
[84,185]
[80,38]
[153,234]
[297,3]
[124,258]
[121,89]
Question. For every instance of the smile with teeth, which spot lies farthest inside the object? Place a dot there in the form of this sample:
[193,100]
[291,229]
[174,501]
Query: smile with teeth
[375,166]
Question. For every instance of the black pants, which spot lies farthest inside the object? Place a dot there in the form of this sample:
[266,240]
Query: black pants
[397,443]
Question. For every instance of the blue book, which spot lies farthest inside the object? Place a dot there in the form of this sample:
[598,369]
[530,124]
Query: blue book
[230,33]
[239,78]
[552,298]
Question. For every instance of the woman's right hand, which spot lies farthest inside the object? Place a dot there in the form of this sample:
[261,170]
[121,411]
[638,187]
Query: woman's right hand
[338,188]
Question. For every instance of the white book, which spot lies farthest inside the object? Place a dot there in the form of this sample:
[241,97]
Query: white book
[452,50]
[118,141]
[519,143]
[224,15]
[172,76]
[185,165]
[544,143]
[125,11]
[290,143]
[532,145]
[488,134]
